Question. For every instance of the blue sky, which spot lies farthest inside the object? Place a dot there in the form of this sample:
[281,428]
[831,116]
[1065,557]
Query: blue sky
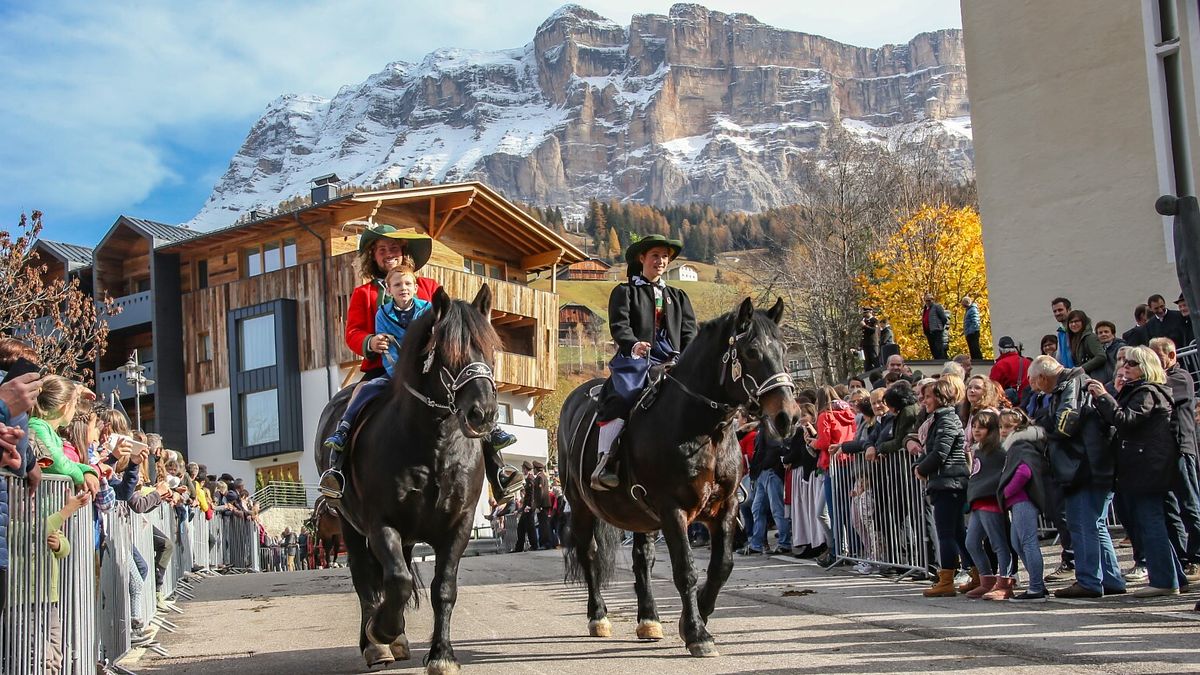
[136,107]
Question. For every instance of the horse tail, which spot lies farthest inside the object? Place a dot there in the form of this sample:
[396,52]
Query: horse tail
[607,540]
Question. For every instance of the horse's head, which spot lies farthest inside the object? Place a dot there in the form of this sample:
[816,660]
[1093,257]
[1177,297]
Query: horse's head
[754,371]
[450,366]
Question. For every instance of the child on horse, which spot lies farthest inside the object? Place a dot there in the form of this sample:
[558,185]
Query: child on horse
[651,324]
[381,248]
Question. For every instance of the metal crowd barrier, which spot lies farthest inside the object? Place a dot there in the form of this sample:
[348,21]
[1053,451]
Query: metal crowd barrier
[29,617]
[1189,360]
[878,514]
[97,603]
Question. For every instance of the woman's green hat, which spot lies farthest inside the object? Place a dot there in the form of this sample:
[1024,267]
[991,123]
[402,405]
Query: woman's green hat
[416,245]
[637,248]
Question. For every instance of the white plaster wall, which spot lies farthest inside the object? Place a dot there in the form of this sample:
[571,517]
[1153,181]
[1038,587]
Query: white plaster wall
[214,450]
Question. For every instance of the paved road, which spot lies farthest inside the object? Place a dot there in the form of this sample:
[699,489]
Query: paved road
[515,615]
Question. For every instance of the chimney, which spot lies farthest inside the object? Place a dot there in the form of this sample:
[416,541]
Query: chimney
[325,188]
[255,214]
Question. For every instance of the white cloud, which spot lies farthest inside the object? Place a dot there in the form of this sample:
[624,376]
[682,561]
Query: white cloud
[89,91]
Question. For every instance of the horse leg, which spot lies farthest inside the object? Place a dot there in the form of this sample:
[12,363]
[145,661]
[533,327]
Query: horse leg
[386,627]
[648,627]
[368,582]
[444,593]
[587,556]
[720,562]
[683,568]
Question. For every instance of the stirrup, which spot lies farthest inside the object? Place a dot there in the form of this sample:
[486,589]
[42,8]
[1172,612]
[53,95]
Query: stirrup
[603,478]
[328,491]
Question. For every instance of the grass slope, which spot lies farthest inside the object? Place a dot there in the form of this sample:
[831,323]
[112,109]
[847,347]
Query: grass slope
[709,299]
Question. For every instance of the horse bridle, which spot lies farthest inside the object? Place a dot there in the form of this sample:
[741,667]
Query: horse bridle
[475,370]
[777,381]
[746,380]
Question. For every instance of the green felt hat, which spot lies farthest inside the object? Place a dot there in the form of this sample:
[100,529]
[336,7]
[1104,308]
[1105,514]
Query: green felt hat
[637,248]
[416,245]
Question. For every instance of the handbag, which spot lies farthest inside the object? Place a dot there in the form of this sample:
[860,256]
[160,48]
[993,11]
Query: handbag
[1067,422]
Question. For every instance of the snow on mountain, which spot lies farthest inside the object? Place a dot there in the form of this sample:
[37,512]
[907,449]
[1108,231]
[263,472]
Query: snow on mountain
[693,106]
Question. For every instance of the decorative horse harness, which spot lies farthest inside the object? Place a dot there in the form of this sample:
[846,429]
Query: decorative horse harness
[475,370]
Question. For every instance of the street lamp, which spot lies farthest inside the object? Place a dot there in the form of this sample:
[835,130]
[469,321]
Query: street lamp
[135,376]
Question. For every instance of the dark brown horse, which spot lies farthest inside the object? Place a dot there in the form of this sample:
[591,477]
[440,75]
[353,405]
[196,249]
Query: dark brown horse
[414,473]
[326,527]
[679,463]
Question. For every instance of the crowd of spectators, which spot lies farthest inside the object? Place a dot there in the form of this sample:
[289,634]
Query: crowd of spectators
[1097,418]
[541,509]
[52,425]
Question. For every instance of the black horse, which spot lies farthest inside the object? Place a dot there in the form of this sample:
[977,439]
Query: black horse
[414,471]
[679,462]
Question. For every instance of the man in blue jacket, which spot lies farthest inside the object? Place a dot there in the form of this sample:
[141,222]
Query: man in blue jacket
[971,327]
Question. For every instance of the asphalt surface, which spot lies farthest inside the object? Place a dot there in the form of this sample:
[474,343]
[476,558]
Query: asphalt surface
[776,615]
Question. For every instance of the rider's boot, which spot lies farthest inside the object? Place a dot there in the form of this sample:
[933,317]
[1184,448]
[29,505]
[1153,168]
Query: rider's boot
[506,481]
[604,478]
[333,483]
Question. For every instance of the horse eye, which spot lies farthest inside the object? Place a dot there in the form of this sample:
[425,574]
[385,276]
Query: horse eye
[753,354]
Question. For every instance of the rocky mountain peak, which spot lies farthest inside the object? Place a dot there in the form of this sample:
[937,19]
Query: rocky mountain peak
[697,105]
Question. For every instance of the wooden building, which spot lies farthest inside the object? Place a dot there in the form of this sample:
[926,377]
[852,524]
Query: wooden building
[591,269]
[574,319]
[264,313]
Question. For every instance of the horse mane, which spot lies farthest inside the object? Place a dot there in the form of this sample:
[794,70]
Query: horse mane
[712,336]
[460,332]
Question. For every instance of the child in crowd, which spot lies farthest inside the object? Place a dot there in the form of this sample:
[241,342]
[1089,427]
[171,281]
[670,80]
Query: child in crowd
[1021,491]
[862,519]
[987,518]
[60,548]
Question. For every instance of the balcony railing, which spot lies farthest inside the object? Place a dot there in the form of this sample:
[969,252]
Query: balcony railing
[135,309]
[115,379]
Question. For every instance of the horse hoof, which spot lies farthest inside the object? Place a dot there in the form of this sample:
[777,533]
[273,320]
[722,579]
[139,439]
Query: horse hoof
[600,628]
[649,630]
[442,667]
[400,650]
[703,649]
[377,655]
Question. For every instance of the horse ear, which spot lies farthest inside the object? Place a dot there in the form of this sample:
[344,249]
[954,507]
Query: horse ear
[483,302]
[776,313]
[745,312]
[441,303]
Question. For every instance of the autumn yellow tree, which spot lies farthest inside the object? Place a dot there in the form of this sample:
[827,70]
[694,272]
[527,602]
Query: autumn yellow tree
[937,249]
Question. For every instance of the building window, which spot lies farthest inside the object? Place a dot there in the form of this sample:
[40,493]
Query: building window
[289,252]
[793,365]
[260,417]
[253,258]
[266,416]
[208,419]
[204,347]
[256,342]
[484,268]
[504,413]
[201,274]
[270,256]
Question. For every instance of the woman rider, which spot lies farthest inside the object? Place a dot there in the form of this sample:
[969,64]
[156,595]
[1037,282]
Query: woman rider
[651,323]
[380,248]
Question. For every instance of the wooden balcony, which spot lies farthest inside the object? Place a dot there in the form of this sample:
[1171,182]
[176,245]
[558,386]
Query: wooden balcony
[526,318]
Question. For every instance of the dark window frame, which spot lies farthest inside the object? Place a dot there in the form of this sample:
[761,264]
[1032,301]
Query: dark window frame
[284,377]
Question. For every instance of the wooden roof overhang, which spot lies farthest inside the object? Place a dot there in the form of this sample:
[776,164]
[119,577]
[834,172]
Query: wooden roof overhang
[440,208]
